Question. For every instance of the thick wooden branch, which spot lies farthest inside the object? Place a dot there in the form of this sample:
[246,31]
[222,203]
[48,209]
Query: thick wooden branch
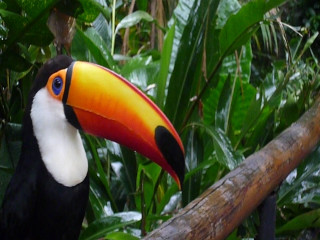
[222,207]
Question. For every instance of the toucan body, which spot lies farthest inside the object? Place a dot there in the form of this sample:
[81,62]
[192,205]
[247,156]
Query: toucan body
[48,193]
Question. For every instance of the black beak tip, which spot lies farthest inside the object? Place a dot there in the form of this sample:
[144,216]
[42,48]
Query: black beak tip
[171,151]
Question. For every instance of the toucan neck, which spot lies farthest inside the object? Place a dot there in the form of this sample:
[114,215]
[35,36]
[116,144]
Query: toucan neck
[59,143]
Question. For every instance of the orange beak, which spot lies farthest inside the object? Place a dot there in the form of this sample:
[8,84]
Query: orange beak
[104,104]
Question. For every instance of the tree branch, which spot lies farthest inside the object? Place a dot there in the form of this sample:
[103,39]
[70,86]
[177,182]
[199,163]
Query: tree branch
[222,207]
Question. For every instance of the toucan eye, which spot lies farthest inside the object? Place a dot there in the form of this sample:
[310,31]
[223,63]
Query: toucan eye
[57,85]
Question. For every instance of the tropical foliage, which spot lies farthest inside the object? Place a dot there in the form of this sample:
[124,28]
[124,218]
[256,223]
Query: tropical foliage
[229,75]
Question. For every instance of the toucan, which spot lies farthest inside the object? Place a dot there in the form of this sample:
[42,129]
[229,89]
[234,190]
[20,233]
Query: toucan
[48,193]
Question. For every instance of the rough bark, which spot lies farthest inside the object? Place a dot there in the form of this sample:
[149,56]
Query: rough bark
[222,207]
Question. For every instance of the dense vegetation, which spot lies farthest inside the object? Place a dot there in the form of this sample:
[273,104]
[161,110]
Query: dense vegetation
[230,75]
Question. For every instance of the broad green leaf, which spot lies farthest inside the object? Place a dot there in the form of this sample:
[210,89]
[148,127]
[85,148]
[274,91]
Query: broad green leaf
[37,34]
[238,65]
[147,177]
[33,28]
[79,52]
[123,162]
[132,19]
[99,203]
[212,173]
[10,148]
[120,236]
[302,185]
[12,6]
[194,157]
[142,5]
[91,10]
[101,174]
[173,203]
[309,43]
[225,9]
[103,27]
[261,130]
[222,102]
[240,27]
[241,109]
[14,21]
[224,106]
[3,5]
[166,200]
[14,61]
[210,104]
[164,66]
[224,151]
[142,72]
[187,50]
[309,219]
[128,172]
[103,226]
[34,8]
[251,116]
[97,47]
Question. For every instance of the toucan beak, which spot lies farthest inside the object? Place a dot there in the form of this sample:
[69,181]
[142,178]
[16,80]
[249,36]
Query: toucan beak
[106,105]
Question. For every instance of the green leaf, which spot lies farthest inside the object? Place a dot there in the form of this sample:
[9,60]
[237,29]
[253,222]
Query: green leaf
[34,8]
[142,5]
[240,27]
[31,28]
[125,167]
[251,116]
[147,177]
[10,148]
[91,10]
[120,236]
[3,5]
[142,72]
[14,61]
[302,185]
[164,66]
[194,157]
[103,226]
[306,220]
[261,130]
[101,173]
[166,204]
[210,104]
[224,150]
[186,52]
[14,21]
[225,9]
[132,19]
[224,106]
[309,43]
[102,26]
[226,155]
[128,172]
[99,203]
[96,46]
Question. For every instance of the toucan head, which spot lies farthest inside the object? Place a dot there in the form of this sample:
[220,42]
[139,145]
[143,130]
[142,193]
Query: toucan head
[102,103]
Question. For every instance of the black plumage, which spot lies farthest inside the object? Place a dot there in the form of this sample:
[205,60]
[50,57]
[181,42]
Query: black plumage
[35,206]
[48,193]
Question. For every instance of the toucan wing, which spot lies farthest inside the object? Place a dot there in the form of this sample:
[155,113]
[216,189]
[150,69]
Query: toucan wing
[17,207]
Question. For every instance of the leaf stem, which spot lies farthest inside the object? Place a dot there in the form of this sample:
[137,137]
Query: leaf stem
[113,22]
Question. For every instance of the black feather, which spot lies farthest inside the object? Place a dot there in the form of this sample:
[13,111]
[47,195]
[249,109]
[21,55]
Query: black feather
[35,206]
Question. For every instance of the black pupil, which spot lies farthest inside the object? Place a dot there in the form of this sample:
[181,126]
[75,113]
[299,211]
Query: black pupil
[57,83]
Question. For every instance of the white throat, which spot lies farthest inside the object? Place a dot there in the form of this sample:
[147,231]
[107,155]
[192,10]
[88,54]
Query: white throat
[59,142]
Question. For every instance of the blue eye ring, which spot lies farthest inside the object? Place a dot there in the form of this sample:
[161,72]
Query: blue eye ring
[57,84]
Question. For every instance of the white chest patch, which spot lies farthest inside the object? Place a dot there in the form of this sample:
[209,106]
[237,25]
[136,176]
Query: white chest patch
[59,142]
